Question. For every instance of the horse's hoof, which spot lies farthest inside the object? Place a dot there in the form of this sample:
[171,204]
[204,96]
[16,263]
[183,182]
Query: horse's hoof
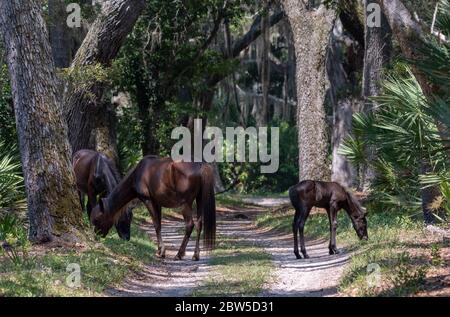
[178,257]
[195,258]
[334,251]
[305,256]
[297,255]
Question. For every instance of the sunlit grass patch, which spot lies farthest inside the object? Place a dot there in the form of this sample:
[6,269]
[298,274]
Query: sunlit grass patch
[238,270]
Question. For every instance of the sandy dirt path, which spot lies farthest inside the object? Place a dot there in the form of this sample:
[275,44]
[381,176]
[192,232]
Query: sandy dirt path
[166,277]
[317,276]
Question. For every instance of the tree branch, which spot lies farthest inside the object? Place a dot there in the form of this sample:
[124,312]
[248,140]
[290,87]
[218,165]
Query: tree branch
[254,33]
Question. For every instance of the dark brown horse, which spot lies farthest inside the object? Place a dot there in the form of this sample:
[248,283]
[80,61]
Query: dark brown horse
[96,176]
[161,182]
[332,197]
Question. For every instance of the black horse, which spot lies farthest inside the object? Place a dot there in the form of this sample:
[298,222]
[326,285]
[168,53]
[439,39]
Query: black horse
[332,197]
[97,176]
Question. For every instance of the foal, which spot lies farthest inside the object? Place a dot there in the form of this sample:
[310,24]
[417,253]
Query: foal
[332,197]
[96,175]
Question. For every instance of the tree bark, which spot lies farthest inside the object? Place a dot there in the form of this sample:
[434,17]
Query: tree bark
[311,28]
[100,46]
[377,54]
[64,41]
[53,207]
[342,170]
[105,136]
[342,100]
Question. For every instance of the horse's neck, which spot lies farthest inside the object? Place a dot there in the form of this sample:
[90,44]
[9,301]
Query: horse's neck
[122,194]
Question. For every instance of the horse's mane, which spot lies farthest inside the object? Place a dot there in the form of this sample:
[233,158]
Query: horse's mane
[354,202]
[112,168]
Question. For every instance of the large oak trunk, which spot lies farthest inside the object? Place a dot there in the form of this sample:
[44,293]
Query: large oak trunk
[311,28]
[53,207]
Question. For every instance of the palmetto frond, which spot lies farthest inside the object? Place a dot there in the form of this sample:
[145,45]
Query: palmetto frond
[11,183]
[443,18]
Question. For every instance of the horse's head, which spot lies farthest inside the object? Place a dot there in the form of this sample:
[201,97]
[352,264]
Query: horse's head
[101,219]
[123,225]
[360,226]
[358,215]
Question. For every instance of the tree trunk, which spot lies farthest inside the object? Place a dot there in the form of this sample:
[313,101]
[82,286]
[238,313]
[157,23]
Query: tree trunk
[218,184]
[290,80]
[59,32]
[100,46]
[377,54]
[53,207]
[342,100]
[342,171]
[64,41]
[105,136]
[311,29]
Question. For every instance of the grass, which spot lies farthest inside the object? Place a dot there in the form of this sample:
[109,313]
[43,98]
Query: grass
[238,270]
[393,262]
[102,264]
[230,200]
[388,264]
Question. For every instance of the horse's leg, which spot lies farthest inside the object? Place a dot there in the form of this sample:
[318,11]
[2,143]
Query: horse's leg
[155,213]
[303,217]
[92,202]
[332,217]
[189,226]
[81,198]
[198,227]
[295,226]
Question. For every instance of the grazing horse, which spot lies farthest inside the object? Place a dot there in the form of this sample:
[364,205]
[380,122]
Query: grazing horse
[332,197]
[97,176]
[161,182]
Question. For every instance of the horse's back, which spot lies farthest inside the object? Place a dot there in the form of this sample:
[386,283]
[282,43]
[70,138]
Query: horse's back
[169,182]
[316,193]
[82,167]
[83,155]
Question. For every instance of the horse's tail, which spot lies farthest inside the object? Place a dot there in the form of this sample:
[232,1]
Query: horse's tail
[206,204]
[354,202]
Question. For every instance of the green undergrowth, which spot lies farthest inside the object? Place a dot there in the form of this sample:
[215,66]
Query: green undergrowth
[40,271]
